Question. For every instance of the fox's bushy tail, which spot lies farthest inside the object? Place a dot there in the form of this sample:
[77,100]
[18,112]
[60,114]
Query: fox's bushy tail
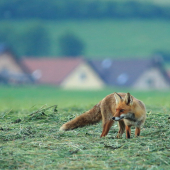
[90,117]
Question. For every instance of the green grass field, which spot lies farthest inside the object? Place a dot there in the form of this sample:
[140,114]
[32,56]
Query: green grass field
[29,136]
[117,38]
[105,38]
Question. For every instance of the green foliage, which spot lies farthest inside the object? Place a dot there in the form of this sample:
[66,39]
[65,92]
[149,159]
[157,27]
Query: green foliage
[30,40]
[107,38]
[34,142]
[37,41]
[102,38]
[66,9]
[70,45]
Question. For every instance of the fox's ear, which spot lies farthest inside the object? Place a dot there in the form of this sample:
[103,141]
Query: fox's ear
[128,99]
[118,98]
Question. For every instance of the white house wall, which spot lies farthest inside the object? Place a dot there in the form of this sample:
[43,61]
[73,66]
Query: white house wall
[7,62]
[83,77]
[150,80]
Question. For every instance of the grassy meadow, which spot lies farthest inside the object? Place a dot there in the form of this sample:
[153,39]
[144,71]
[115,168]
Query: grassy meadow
[30,118]
[101,38]
[116,38]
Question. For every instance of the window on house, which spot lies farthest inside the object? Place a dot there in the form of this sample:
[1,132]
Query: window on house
[150,82]
[83,76]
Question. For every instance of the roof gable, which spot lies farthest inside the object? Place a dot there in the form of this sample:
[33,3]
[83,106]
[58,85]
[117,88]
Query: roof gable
[83,77]
[151,79]
[9,60]
[11,69]
[122,72]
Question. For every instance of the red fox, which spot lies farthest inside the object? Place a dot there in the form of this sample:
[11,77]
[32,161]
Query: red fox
[121,107]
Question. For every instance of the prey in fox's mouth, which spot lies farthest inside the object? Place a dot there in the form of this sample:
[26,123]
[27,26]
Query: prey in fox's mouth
[118,118]
[128,116]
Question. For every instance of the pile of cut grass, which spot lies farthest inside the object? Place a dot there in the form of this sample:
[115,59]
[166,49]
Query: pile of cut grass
[29,139]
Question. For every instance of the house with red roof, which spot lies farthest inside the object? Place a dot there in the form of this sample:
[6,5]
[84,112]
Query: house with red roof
[12,71]
[68,73]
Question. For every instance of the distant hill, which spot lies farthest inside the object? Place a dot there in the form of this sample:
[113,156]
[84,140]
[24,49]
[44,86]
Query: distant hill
[145,1]
[156,1]
[84,9]
[101,38]
[102,28]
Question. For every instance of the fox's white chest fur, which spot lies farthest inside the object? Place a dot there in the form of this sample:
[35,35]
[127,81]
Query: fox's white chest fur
[130,119]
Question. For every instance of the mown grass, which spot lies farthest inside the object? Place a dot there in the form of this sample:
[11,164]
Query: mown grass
[29,136]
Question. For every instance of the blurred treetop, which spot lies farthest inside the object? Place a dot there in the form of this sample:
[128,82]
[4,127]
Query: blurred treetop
[84,9]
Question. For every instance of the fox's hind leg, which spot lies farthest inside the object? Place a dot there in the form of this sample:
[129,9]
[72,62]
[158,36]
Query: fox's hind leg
[107,120]
[106,127]
[121,128]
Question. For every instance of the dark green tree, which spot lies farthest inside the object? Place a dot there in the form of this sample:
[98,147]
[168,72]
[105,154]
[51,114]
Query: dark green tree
[37,41]
[32,41]
[70,45]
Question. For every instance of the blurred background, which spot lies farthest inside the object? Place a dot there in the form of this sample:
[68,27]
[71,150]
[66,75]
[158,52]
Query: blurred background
[59,58]
[87,44]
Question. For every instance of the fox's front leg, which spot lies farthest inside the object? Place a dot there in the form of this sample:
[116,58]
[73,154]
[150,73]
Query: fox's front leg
[128,131]
[137,131]
[121,128]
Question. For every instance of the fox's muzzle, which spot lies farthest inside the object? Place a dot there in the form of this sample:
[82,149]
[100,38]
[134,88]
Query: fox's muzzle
[117,118]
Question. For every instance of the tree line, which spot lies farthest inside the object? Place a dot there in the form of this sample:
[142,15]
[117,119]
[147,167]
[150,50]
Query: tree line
[84,9]
[34,40]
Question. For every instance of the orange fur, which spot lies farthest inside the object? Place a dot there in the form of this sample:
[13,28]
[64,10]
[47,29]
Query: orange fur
[111,106]
[106,128]
[121,128]
[137,131]
[128,131]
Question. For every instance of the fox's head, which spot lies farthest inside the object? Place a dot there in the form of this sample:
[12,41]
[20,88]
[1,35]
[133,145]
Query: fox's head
[123,106]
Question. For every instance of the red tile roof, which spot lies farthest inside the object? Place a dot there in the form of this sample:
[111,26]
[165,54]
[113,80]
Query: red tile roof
[52,70]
